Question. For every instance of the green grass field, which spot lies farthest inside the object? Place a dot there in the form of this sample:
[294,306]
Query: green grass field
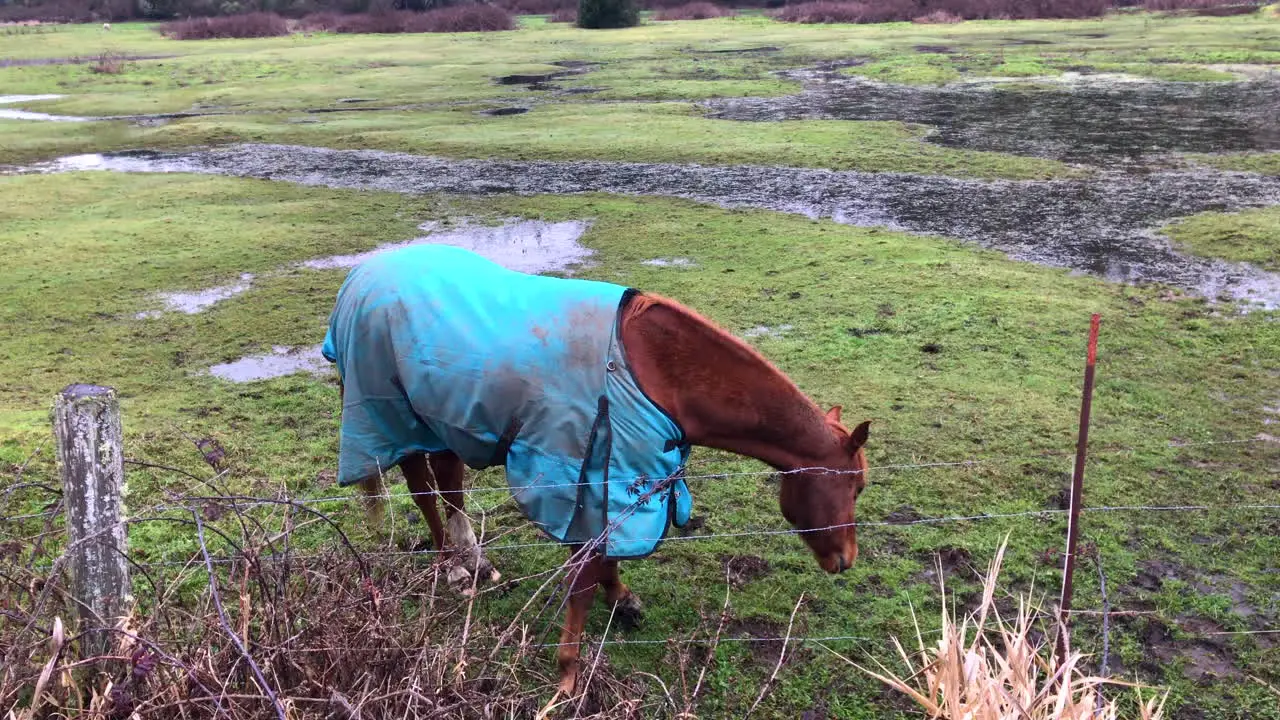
[955,353]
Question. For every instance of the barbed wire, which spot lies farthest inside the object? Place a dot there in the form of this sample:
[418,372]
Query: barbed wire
[507,547]
[248,502]
[808,470]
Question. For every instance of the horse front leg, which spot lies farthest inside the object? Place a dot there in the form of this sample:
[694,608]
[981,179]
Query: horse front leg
[581,581]
[627,608]
[449,472]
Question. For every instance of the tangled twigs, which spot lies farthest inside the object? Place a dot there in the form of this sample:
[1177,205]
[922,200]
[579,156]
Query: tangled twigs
[222,618]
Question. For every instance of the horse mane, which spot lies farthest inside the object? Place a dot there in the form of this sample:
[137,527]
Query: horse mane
[643,302]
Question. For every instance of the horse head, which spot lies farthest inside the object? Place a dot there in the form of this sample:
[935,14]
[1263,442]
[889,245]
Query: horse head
[819,501]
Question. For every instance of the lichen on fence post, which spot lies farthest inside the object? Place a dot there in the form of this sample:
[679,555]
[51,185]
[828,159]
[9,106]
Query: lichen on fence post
[86,425]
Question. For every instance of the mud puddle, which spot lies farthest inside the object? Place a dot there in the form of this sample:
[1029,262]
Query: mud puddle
[9,114]
[1104,226]
[279,362]
[197,301]
[1074,118]
[530,246]
[545,81]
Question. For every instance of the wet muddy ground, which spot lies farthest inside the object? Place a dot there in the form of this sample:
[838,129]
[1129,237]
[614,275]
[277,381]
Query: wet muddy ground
[1105,226]
[12,114]
[1074,118]
[279,362]
[531,246]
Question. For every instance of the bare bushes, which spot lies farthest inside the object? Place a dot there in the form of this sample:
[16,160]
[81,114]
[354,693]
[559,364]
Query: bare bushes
[694,11]
[848,11]
[250,25]
[457,18]
[873,11]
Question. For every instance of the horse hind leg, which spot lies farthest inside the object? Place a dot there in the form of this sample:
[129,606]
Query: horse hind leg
[448,471]
[417,475]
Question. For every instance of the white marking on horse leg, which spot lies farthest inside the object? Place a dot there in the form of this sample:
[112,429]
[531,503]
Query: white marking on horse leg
[468,548]
[460,532]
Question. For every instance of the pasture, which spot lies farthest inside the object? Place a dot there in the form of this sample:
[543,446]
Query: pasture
[928,261]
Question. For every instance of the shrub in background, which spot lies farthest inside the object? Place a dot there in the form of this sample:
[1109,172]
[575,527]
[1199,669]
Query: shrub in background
[468,18]
[937,17]
[694,11]
[874,11]
[251,25]
[564,15]
[602,14]
[537,7]
[457,18]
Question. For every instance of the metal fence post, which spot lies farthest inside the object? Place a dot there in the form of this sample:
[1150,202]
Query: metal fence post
[1077,491]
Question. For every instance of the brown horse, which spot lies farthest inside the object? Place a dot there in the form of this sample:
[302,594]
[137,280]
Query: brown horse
[724,395]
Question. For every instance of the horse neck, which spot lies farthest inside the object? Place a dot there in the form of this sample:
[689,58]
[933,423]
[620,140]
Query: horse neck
[723,393]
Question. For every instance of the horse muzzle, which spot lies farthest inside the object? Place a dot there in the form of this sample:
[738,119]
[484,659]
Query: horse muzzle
[836,563]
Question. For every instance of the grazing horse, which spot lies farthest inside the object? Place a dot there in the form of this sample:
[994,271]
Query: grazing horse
[589,394]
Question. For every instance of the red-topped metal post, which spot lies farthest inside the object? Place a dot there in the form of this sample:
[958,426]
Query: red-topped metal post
[1077,488]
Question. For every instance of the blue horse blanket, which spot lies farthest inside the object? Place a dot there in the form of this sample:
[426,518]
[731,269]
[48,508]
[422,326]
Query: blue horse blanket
[441,349]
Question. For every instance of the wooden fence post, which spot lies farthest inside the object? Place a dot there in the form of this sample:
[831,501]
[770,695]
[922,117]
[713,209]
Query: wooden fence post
[1077,492]
[86,425]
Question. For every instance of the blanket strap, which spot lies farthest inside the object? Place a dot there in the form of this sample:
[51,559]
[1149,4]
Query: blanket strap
[584,476]
[503,447]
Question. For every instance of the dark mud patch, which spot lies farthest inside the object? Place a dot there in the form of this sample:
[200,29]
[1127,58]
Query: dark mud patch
[1152,574]
[742,569]
[1103,226]
[1090,35]
[763,638]
[523,79]
[542,81]
[739,51]
[1090,119]
[1026,41]
[935,49]
[504,111]
[904,515]
[1202,657]
[953,561]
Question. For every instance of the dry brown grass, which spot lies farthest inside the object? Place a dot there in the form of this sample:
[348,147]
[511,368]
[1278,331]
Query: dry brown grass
[988,667]
[256,631]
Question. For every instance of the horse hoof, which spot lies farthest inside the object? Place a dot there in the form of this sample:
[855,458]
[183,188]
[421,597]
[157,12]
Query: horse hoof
[629,611]
[459,578]
[566,685]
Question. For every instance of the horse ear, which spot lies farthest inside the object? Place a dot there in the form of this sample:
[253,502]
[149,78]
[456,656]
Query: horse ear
[833,415]
[858,437]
